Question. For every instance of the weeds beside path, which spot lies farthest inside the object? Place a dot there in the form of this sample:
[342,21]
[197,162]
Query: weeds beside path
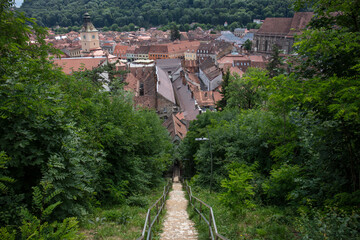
[122,221]
[258,223]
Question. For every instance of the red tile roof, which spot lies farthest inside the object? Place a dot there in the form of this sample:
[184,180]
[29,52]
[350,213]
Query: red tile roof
[69,65]
[154,49]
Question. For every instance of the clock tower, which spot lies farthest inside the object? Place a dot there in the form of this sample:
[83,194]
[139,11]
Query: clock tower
[89,35]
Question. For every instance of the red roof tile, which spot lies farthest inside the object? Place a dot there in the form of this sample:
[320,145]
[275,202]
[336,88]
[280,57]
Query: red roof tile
[69,65]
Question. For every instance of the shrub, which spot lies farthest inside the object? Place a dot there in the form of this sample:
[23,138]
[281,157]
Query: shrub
[240,192]
[37,227]
[120,217]
[281,183]
[333,224]
[137,200]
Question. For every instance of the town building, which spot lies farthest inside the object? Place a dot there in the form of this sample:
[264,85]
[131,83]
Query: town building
[240,32]
[176,127]
[89,35]
[158,52]
[210,74]
[281,32]
[120,51]
[142,53]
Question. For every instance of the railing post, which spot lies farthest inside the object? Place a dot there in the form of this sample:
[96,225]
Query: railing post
[157,212]
[200,212]
[210,219]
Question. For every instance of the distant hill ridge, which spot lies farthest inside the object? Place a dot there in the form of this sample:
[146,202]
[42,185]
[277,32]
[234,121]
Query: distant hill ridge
[148,13]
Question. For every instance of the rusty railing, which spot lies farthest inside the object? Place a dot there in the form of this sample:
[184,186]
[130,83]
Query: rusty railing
[158,205]
[213,232]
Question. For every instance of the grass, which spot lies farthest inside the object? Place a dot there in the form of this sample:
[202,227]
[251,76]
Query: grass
[122,222]
[263,222]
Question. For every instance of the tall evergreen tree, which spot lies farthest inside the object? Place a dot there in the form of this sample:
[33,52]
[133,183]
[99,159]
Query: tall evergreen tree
[220,105]
[275,66]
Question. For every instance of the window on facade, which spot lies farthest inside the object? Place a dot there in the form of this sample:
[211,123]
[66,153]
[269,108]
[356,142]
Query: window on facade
[84,36]
[93,36]
[266,45]
[141,90]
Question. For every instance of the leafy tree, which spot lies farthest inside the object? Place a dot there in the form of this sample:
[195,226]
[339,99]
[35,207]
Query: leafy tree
[220,105]
[67,130]
[281,183]
[275,66]
[239,190]
[243,93]
[247,45]
[174,31]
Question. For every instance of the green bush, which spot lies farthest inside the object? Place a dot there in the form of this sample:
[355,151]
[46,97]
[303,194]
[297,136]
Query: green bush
[281,182]
[35,224]
[240,192]
[333,224]
[120,217]
[137,200]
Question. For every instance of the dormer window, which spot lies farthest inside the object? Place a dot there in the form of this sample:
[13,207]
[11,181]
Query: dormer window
[141,89]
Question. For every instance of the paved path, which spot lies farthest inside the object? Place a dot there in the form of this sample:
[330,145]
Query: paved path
[177,225]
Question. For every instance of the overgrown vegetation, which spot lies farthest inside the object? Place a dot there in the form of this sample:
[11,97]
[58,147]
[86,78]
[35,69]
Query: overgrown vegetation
[122,221]
[260,222]
[287,137]
[66,144]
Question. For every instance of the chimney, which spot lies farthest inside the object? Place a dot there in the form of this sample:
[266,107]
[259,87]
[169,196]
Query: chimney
[183,78]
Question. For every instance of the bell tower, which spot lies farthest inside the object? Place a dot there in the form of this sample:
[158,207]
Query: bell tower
[89,35]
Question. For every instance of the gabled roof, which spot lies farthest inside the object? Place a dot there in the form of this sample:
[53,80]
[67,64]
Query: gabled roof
[286,26]
[168,64]
[164,86]
[236,70]
[175,126]
[142,50]
[158,49]
[209,69]
[121,49]
[69,65]
[279,26]
[299,22]
[204,98]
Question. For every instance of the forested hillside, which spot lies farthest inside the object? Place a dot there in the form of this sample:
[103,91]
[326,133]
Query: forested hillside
[146,13]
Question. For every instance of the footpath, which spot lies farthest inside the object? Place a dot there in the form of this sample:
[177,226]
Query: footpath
[177,225]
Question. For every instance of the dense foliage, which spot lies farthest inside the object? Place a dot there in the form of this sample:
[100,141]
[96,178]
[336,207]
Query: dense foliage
[66,144]
[288,135]
[146,13]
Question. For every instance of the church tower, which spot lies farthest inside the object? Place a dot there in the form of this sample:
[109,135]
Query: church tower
[89,35]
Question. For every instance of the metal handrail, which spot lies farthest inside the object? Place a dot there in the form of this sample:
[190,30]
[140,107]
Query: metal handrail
[159,205]
[213,232]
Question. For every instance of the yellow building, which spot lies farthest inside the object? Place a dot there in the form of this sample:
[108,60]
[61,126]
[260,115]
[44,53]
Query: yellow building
[190,54]
[89,35]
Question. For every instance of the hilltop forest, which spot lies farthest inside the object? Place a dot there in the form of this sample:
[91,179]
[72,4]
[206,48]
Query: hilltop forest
[147,13]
